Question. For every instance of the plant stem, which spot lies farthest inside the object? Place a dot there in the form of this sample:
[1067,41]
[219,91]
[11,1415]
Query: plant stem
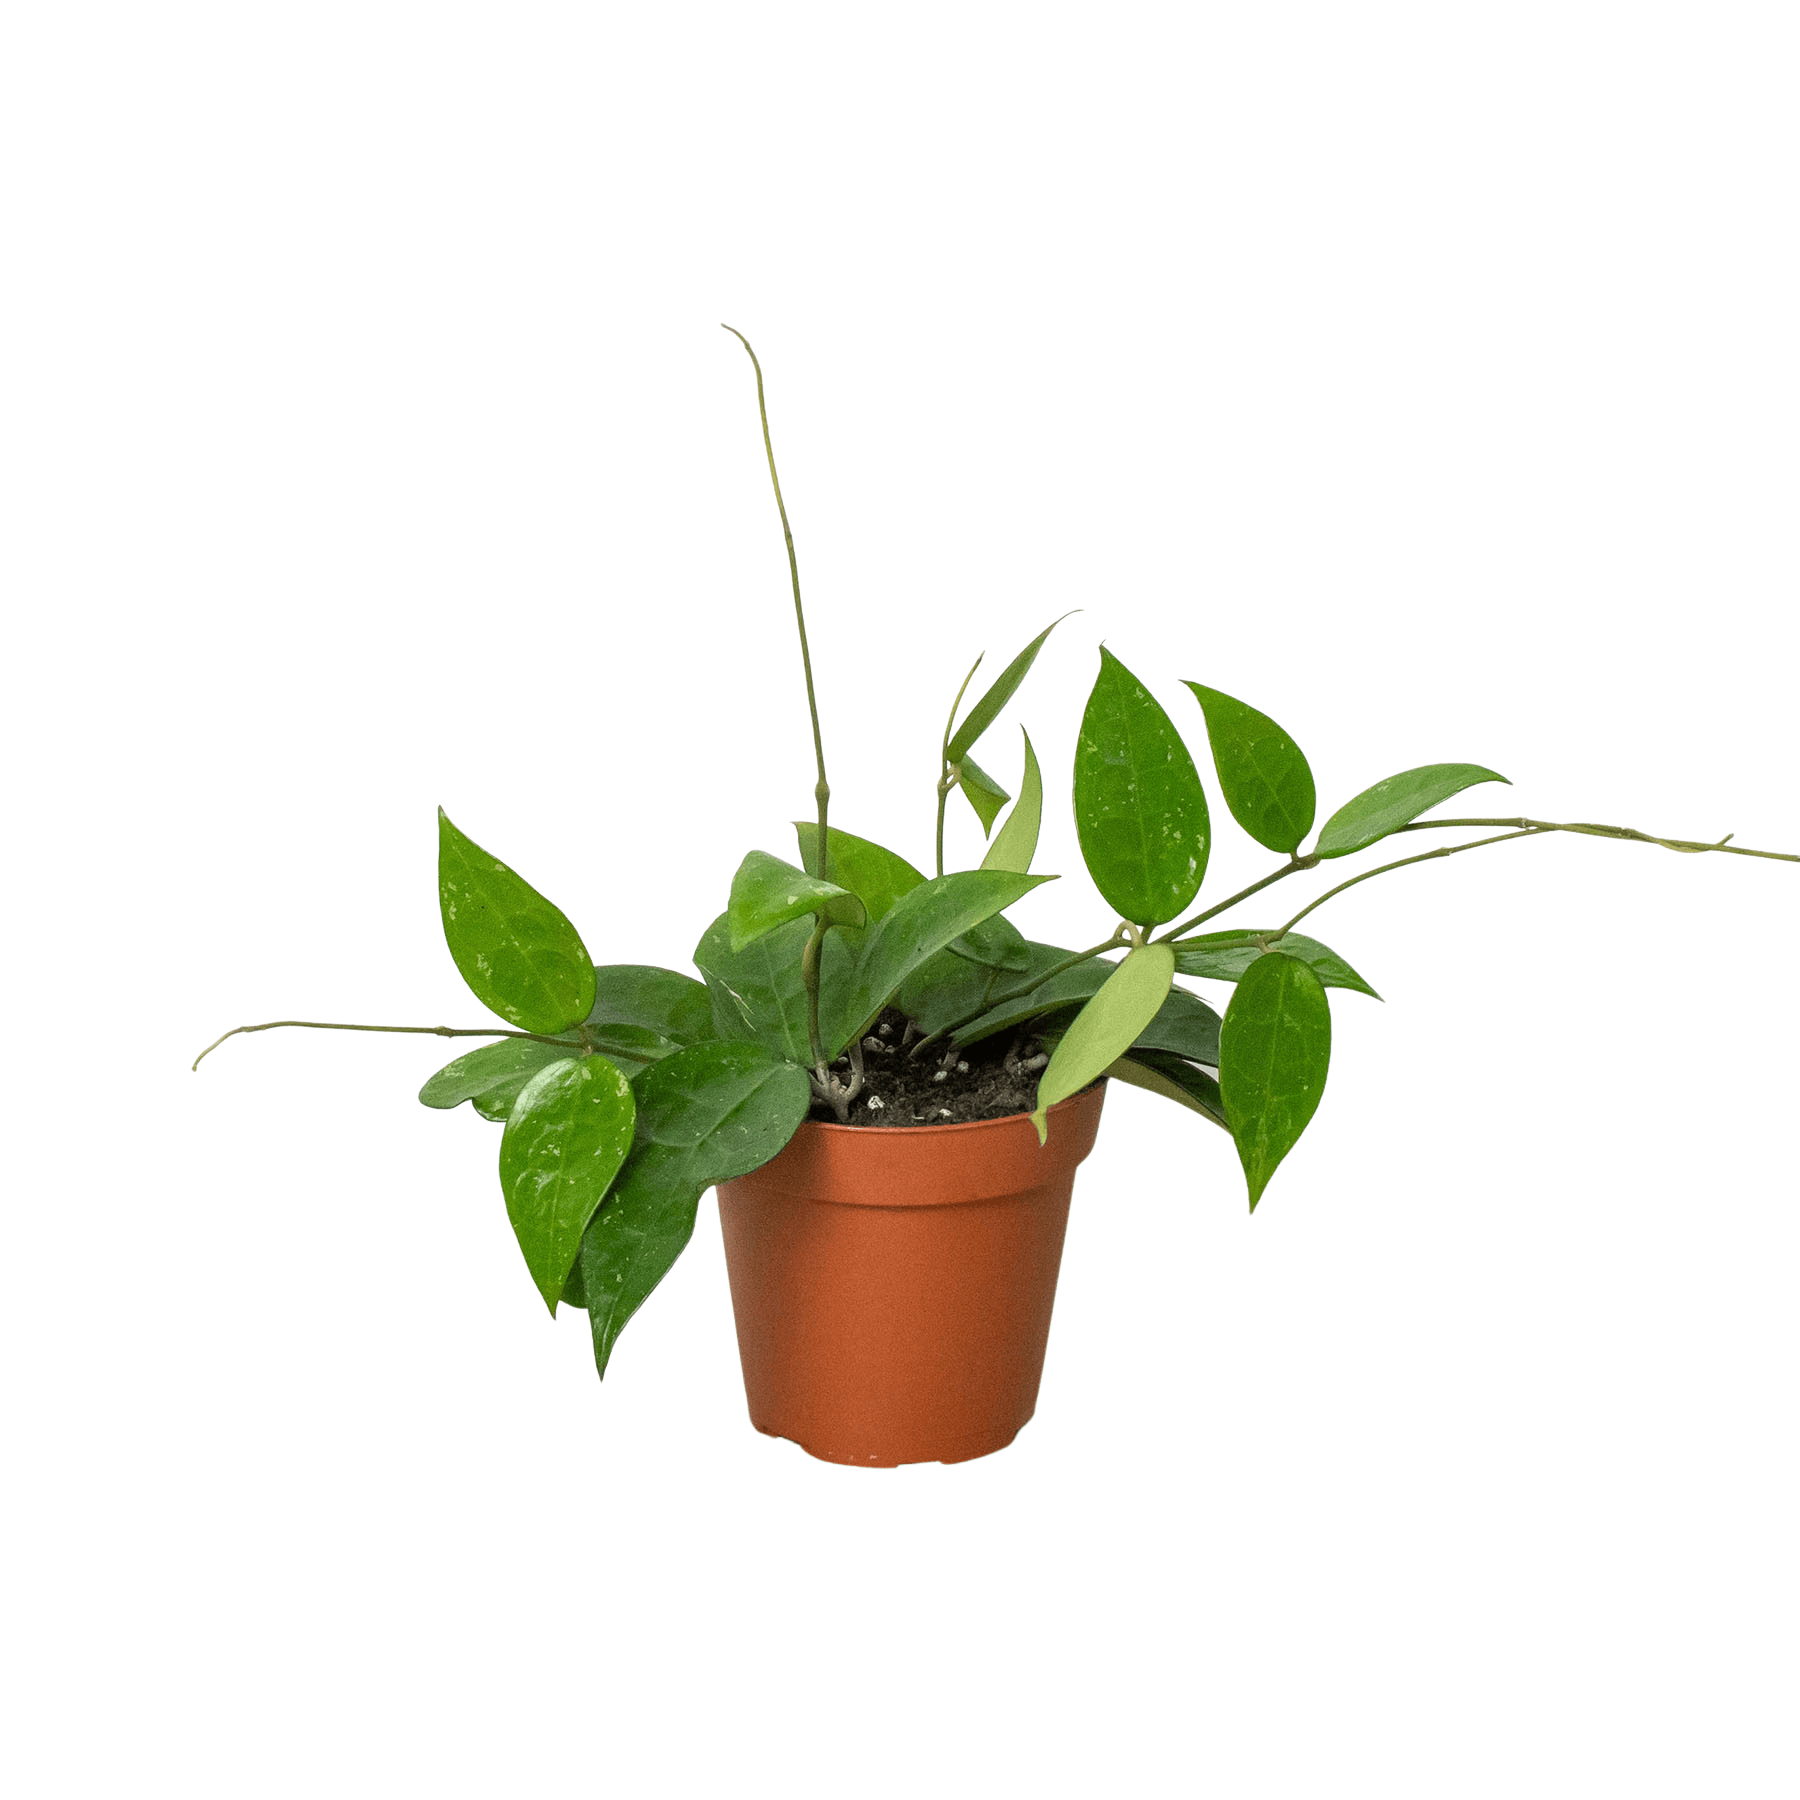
[1019,993]
[1370,874]
[822,791]
[536,1037]
[1687,846]
[1291,867]
[809,962]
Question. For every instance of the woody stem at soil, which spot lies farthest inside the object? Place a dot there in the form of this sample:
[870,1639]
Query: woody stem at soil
[809,962]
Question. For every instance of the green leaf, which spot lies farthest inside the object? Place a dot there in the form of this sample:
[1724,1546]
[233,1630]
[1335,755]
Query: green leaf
[1384,808]
[947,987]
[766,892]
[1174,1078]
[519,954]
[1262,774]
[921,923]
[1184,1026]
[757,993]
[1139,809]
[491,1070]
[659,1000]
[1104,1028]
[984,793]
[876,876]
[995,943]
[1017,843]
[565,1140]
[1225,955]
[1073,985]
[706,1115]
[987,709]
[1273,1061]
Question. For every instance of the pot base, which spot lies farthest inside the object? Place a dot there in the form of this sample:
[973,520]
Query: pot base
[950,1452]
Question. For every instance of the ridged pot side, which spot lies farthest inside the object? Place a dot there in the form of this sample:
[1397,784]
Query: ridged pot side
[893,1286]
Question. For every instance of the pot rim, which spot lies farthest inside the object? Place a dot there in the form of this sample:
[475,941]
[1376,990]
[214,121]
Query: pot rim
[955,1125]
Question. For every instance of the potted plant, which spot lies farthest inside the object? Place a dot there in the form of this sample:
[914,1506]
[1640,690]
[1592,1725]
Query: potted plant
[889,1085]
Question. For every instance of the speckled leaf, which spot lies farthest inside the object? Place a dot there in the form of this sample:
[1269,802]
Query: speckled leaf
[565,1140]
[519,954]
[1225,955]
[504,1067]
[984,793]
[987,709]
[757,993]
[1139,809]
[1016,842]
[659,1000]
[766,892]
[1388,805]
[1274,1056]
[1104,1028]
[921,923]
[706,1115]
[1263,776]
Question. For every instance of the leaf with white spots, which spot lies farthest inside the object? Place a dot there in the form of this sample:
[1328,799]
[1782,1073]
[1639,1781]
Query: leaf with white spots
[767,892]
[568,1133]
[518,953]
[1273,1058]
[1140,812]
[705,1115]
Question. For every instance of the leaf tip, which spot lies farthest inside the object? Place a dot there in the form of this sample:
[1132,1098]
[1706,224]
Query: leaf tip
[1040,1121]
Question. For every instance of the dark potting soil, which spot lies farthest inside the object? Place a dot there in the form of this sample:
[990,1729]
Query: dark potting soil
[990,1080]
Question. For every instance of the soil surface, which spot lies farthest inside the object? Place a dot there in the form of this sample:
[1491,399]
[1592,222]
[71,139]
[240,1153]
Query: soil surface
[990,1080]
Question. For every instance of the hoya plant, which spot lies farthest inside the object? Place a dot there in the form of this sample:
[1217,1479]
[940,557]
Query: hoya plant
[851,986]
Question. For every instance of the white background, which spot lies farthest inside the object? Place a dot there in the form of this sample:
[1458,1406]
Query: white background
[1427,375]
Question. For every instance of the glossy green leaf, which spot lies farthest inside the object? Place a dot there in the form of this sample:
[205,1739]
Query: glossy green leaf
[1069,989]
[984,793]
[568,1134]
[518,953]
[876,876]
[948,987]
[1273,1061]
[987,709]
[675,1006]
[1174,1078]
[1184,1026]
[757,993]
[1139,809]
[1104,1028]
[1016,843]
[995,943]
[766,892]
[1388,805]
[1225,955]
[494,1068]
[1263,776]
[706,1115]
[921,923]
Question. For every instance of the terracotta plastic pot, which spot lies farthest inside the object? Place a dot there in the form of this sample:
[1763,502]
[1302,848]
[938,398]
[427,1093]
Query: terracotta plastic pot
[893,1286]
